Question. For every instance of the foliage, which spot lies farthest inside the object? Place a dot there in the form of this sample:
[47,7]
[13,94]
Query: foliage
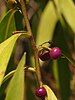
[52,21]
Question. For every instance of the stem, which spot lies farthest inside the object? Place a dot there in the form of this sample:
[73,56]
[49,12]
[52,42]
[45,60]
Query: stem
[35,50]
[72,61]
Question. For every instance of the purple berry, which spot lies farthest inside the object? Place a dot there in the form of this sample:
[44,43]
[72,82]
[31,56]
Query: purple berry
[44,55]
[41,92]
[55,53]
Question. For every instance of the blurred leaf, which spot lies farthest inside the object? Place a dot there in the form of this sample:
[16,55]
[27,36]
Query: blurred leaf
[62,68]
[2,9]
[47,24]
[27,1]
[64,79]
[60,17]
[6,48]
[34,25]
[19,21]
[56,73]
[67,8]
[7,25]
[50,94]
[16,85]
[31,84]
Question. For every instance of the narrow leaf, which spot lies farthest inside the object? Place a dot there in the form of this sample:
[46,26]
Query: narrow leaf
[47,24]
[6,48]
[16,85]
[64,79]
[62,74]
[56,73]
[7,25]
[68,10]
[9,75]
[50,94]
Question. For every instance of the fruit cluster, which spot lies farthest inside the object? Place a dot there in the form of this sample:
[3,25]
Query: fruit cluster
[52,53]
[46,54]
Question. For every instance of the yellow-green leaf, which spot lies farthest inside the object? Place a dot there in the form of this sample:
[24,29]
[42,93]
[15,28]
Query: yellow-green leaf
[67,8]
[50,94]
[6,48]
[16,86]
[47,24]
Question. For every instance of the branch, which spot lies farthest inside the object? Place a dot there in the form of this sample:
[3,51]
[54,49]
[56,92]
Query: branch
[35,50]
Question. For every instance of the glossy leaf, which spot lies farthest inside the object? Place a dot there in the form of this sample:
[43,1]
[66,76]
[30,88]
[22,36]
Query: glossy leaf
[50,94]
[7,25]
[6,48]
[16,85]
[47,24]
[67,8]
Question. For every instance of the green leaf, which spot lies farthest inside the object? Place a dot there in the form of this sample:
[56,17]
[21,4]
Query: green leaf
[9,75]
[16,85]
[67,8]
[56,73]
[19,21]
[50,94]
[7,25]
[47,24]
[64,79]
[60,69]
[6,49]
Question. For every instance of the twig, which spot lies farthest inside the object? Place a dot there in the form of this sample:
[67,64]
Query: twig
[35,50]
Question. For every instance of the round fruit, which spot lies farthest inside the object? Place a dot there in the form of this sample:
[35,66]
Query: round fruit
[44,55]
[41,92]
[55,53]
